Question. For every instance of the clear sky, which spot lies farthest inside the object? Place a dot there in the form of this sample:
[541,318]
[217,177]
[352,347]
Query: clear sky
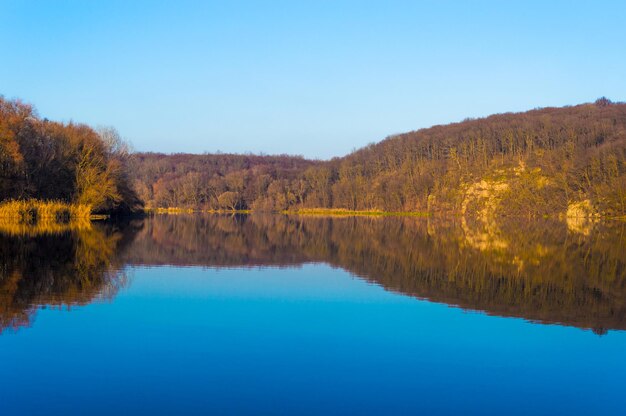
[317,78]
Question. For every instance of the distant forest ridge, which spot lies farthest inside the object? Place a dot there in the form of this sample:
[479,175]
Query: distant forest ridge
[568,161]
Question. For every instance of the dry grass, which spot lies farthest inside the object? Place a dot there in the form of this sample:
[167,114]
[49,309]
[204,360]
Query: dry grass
[341,212]
[35,216]
[172,210]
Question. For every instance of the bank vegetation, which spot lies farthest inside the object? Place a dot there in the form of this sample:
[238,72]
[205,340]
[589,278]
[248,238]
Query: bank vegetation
[567,162]
[60,170]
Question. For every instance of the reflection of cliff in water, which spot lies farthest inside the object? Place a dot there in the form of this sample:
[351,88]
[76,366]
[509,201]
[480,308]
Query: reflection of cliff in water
[536,270]
[61,267]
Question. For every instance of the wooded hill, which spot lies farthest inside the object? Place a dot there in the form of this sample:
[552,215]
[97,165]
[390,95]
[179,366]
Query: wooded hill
[550,161]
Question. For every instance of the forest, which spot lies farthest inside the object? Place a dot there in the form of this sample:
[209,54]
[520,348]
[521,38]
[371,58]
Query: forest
[568,161]
[550,161]
[70,164]
[221,181]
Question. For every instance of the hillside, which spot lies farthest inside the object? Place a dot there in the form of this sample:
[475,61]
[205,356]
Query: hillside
[540,162]
[551,161]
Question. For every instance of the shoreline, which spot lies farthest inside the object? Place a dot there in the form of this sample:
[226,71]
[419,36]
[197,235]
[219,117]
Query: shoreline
[40,212]
[340,212]
[307,211]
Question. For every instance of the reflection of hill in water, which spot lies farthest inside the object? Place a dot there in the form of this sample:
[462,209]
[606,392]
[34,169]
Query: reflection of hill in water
[537,270]
[61,266]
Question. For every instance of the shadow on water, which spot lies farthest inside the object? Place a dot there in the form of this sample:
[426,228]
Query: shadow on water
[544,271]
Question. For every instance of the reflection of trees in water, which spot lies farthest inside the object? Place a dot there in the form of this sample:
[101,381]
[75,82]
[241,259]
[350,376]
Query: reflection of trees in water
[71,266]
[537,270]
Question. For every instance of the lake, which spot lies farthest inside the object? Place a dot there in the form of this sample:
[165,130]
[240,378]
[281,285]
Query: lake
[274,314]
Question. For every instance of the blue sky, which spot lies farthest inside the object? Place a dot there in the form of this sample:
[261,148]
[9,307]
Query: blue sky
[317,78]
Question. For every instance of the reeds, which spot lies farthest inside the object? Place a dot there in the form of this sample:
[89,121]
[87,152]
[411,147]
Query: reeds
[172,210]
[21,217]
[341,212]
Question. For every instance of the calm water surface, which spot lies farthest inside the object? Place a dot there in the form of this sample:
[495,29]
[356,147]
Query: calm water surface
[203,314]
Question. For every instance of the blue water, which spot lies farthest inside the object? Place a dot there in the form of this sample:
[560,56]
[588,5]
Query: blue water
[300,340]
